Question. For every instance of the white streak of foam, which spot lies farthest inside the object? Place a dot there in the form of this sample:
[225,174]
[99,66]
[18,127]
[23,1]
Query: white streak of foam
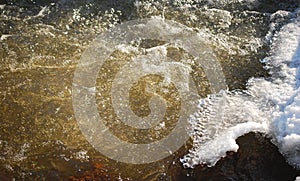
[3,37]
[42,12]
[269,106]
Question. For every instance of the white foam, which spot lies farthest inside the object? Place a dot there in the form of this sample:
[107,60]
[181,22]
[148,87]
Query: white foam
[268,106]
[284,91]
[221,119]
[210,152]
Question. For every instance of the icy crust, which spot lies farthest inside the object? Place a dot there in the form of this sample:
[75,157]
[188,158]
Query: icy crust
[220,120]
[285,124]
[268,106]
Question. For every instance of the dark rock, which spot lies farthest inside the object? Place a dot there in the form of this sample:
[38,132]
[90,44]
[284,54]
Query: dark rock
[257,159]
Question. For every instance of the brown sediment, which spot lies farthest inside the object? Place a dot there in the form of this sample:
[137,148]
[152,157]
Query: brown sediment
[5,177]
[98,172]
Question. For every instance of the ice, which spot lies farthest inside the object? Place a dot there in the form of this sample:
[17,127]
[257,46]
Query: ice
[269,106]
[210,152]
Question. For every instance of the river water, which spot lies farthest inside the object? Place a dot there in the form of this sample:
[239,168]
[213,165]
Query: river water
[42,44]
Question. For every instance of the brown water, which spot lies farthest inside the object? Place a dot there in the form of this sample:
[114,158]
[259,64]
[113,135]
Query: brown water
[41,45]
